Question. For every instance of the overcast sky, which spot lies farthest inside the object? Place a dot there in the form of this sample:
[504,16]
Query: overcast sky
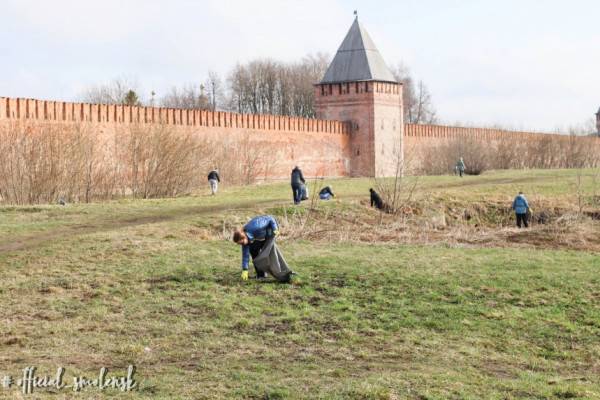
[526,64]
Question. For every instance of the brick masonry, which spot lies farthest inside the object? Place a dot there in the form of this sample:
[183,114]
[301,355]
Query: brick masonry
[374,112]
[359,132]
[320,147]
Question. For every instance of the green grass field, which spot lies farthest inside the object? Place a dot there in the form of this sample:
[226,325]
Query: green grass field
[155,283]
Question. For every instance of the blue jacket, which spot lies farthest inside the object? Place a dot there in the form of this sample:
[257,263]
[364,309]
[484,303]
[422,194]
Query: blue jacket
[259,228]
[520,204]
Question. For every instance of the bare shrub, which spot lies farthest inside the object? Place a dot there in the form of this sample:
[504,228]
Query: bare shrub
[441,158]
[540,151]
[398,191]
[42,164]
[45,162]
[245,160]
[161,162]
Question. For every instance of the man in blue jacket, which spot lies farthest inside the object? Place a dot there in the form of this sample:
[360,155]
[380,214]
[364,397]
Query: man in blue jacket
[252,237]
[521,207]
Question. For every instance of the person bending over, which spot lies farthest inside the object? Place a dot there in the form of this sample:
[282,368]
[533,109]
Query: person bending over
[376,200]
[257,239]
[326,193]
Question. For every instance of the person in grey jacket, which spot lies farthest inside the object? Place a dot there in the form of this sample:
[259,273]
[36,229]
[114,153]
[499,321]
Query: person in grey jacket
[460,167]
[521,207]
[297,180]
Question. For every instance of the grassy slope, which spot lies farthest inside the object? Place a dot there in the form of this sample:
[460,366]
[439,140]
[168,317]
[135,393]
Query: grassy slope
[363,321]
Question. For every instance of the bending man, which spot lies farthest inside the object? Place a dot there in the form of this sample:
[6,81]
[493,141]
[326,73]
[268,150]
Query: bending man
[257,239]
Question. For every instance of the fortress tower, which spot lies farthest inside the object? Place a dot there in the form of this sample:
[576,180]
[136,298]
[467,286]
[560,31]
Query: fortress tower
[359,88]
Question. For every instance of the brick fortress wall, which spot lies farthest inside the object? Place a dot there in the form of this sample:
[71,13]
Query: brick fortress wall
[320,147]
[554,150]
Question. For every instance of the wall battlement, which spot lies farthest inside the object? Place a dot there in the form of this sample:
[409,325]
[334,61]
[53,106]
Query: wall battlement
[360,126]
[58,111]
[455,132]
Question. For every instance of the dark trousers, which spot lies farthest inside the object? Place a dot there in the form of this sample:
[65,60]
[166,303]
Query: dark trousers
[297,192]
[255,248]
[522,218]
[461,172]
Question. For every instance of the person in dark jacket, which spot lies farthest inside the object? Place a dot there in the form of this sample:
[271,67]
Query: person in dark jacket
[326,193]
[297,182]
[213,180]
[521,207]
[253,237]
[376,200]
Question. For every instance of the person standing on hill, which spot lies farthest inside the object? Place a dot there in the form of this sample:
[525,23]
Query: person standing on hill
[521,207]
[297,182]
[213,180]
[257,239]
[460,167]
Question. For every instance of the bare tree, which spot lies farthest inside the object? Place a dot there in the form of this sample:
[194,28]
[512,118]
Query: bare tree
[189,96]
[418,105]
[216,91]
[265,86]
[113,92]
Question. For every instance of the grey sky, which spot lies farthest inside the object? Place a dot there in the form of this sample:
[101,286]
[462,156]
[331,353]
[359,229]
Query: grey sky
[520,63]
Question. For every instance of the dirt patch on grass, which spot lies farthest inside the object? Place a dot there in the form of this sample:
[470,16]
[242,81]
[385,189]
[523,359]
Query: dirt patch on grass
[105,225]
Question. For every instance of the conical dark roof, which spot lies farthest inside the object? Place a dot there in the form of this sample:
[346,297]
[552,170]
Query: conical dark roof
[357,59]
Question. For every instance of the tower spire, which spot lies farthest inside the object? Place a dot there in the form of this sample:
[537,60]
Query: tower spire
[357,59]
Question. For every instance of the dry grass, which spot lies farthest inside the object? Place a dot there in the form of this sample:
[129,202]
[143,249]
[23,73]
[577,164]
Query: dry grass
[451,223]
[155,283]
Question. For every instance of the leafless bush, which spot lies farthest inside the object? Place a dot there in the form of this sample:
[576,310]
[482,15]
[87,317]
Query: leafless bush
[46,163]
[245,160]
[550,151]
[397,191]
[162,162]
[441,158]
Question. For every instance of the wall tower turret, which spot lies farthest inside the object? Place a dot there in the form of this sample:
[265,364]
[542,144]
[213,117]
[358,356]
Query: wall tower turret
[359,88]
